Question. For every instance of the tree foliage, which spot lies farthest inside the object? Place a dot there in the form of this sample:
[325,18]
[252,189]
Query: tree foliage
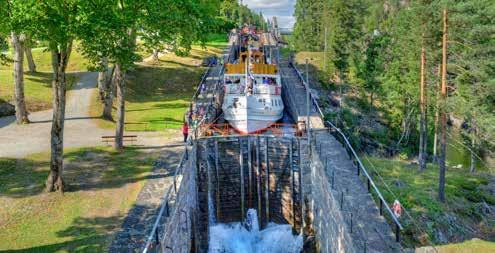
[375,48]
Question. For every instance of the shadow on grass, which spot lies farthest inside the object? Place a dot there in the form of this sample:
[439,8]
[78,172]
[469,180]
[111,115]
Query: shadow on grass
[85,169]
[161,106]
[87,235]
[162,84]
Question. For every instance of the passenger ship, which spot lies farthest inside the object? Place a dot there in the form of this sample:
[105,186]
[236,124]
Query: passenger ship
[252,98]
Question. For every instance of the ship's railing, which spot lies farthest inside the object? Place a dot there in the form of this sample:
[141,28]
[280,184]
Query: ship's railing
[276,129]
[361,169]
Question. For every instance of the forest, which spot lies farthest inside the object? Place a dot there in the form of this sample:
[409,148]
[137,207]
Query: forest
[411,83]
[387,56]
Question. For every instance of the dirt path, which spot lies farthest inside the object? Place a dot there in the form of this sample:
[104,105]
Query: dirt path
[80,130]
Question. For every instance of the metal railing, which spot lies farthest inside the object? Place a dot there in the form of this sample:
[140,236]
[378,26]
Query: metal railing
[153,239]
[313,99]
[356,160]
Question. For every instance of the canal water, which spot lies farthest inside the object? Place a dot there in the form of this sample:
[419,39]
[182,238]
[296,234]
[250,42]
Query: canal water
[246,237]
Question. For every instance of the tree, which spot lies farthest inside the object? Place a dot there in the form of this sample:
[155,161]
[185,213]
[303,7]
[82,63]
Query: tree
[472,58]
[308,35]
[29,54]
[13,23]
[443,111]
[109,29]
[20,104]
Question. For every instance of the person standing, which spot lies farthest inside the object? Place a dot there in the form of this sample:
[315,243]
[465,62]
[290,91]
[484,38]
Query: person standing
[185,131]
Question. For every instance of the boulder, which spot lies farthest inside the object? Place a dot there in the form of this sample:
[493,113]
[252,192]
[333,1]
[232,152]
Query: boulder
[6,109]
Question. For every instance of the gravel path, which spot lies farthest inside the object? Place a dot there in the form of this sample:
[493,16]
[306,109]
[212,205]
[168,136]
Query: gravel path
[80,131]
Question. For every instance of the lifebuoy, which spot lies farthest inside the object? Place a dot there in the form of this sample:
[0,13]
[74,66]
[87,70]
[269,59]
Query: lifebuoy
[397,208]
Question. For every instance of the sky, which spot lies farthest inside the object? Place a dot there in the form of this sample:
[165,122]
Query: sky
[282,9]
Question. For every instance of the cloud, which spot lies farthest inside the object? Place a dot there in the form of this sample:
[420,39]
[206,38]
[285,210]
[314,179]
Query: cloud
[282,9]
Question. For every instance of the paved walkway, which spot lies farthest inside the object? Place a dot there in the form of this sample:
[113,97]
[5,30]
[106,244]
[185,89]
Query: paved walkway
[80,130]
[140,220]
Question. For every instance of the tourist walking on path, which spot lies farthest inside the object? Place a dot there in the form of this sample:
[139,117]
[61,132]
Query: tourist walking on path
[185,131]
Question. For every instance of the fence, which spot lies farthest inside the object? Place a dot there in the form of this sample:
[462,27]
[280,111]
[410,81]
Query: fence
[361,169]
[179,194]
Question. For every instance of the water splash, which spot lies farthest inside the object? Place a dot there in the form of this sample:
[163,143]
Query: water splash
[247,238]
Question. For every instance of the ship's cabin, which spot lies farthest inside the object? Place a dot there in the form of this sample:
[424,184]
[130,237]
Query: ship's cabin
[254,84]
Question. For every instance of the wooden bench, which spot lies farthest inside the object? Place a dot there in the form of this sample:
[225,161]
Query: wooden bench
[126,138]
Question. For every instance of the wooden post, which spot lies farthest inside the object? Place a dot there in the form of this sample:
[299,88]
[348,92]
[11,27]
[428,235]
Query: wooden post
[267,183]
[258,177]
[250,174]
[217,191]
[293,184]
[241,171]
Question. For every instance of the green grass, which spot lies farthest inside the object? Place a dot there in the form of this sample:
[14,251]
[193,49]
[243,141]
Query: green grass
[43,60]
[217,40]
[465,192]
[471,246]
[158,93]
[37,86]
[103,186]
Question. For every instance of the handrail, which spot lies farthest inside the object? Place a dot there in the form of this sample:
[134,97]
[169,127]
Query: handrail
[363,169]
[180,167]
[348,144]
[313,99]
[165,197]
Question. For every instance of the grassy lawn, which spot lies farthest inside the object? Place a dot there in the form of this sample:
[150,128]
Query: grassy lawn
[460,218]
[471,246]
[103,186]
[38,90]
[158,93]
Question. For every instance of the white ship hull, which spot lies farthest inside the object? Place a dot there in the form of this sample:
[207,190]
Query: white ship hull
[252,113]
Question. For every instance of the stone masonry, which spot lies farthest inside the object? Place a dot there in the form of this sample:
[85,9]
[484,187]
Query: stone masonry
[342,214]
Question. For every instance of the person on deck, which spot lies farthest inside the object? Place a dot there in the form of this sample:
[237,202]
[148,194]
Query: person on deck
[185,131]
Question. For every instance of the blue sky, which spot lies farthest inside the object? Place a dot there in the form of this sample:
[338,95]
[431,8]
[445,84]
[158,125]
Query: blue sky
[283,9]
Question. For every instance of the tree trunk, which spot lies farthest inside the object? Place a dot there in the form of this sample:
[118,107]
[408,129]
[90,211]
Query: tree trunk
[472,166]
[443,114]
[108,94]
[437,117]
[103,78]
[155,55]
[473,145]
[21,113]
[422,121]
[30,60]
[60,59]
[120,83]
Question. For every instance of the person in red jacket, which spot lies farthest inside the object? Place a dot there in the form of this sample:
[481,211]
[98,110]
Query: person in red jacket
[185,130]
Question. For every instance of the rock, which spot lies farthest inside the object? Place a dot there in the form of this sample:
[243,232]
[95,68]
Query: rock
[6,109]
[399,184]
[440,236]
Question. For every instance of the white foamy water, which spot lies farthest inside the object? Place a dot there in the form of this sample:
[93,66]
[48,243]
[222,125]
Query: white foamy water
[247,238]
